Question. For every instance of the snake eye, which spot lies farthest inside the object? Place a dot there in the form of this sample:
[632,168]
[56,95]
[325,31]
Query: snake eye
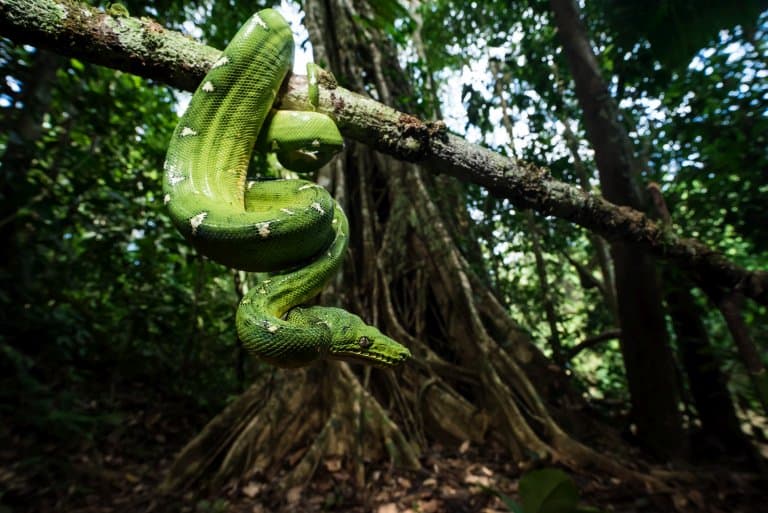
[364,342]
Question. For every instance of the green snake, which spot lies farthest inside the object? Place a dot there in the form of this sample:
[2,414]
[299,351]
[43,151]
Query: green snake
[291,231]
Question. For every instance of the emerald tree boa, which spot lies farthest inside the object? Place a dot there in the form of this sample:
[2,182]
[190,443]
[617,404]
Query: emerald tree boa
[291,231]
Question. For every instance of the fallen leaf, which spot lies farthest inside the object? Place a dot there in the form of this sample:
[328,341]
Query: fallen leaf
[478,480]
[430,506]
[390,507]
[448,491]
[293,495]
[251,490]
[697,498]
[485,470]
[333,464]
[680,501]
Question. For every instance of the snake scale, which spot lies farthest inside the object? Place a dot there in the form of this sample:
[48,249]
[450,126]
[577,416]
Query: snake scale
[290,231]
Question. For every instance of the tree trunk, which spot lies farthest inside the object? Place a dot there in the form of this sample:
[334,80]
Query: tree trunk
[730,306]
[546,293]
[23,130]
[644,340]
[474,376]
[720,434]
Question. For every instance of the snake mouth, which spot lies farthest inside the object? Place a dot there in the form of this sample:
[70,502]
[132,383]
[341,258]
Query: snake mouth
[378,360]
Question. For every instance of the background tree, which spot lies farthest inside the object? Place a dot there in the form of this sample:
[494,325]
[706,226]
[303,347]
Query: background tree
[481,290]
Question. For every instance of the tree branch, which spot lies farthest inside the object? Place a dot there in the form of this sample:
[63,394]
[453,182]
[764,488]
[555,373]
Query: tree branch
[143,47]
[591,342]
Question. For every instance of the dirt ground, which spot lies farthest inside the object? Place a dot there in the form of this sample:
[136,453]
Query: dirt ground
[119,471]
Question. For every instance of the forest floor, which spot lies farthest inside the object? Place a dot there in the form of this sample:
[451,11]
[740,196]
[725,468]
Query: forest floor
[118,472]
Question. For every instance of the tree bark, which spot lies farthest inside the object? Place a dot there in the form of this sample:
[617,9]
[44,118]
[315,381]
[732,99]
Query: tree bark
[644,340]
[546,292]
[730,306]
[720,433]
[145,48]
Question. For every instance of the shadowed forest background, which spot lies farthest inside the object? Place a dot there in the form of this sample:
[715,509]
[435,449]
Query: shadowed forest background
[537,342]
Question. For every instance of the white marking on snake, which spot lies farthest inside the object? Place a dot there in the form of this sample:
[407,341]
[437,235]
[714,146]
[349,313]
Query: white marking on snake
[208,87]
[186,132]
[270,327]
[166,199]
[287,211]
[174,177]
[197,220]
[263,229]
[220,62]
[318,207]
[307,186]
[261,23]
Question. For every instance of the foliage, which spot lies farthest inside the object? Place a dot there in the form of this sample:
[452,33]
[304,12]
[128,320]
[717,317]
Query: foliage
[547,490]
[105,293]
[697,117]
[678,29]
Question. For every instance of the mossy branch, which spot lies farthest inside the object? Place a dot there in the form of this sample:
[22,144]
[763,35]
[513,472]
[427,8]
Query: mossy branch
[143,47]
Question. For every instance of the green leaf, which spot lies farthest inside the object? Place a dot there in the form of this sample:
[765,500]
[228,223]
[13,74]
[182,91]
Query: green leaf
[508,501]
[548,490]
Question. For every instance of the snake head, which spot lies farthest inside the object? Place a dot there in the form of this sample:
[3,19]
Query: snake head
[354,341]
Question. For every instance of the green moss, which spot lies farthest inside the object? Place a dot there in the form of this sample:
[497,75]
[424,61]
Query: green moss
[117,10]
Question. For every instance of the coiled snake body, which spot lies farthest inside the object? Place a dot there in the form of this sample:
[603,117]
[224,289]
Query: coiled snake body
[290,230]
